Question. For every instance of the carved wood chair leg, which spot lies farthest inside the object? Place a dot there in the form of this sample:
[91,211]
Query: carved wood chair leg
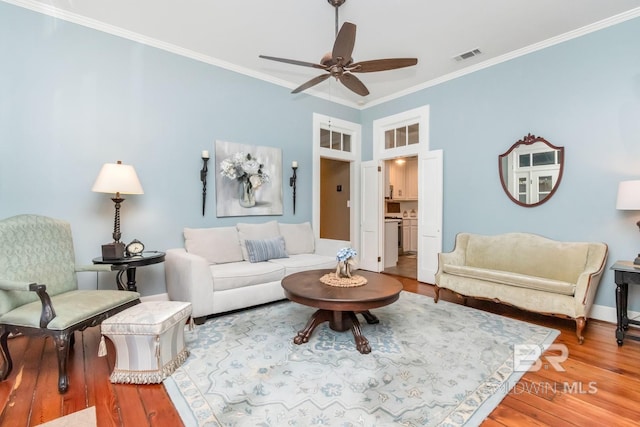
[7,364]
[581,322]
[436,296]
[62,341]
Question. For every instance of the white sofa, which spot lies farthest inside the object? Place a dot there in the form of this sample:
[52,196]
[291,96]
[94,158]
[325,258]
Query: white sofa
[214,271]
[527,271]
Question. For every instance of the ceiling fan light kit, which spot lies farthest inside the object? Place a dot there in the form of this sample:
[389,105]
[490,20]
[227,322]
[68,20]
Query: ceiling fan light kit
[339,63]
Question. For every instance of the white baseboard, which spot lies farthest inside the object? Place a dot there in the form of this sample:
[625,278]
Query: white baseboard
[608,314]
[165,297]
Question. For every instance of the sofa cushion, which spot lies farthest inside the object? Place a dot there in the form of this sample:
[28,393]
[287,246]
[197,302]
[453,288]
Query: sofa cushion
[530,255]
[266,249]
[298,238]
[240,274]
[303,262]
[512,279]
[247,231]
[217,245]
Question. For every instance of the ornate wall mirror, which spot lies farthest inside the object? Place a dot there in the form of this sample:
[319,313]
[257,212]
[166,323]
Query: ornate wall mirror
[531,170]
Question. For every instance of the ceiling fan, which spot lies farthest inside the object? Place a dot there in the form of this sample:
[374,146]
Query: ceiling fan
[339,63]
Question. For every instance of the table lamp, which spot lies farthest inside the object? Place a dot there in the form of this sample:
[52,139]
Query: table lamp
[629,199]
[117,179]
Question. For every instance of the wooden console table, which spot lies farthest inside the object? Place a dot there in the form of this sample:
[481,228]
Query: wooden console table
[626,273]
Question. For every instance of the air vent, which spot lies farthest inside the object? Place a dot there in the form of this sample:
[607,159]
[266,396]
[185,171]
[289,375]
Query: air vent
[467,55]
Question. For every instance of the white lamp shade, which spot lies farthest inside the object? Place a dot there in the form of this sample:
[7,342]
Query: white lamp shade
[117,178]
[628,195]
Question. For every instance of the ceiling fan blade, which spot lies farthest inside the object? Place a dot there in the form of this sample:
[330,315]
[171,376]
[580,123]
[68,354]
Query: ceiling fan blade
[381,65]
[354,84]
[345,40]
[314,81]
[293,61]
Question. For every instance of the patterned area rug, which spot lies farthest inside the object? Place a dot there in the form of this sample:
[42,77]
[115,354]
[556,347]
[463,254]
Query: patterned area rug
[83,418]
[430,364]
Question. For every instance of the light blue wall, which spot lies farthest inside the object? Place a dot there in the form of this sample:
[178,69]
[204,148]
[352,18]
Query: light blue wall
[583,94]
[72,98]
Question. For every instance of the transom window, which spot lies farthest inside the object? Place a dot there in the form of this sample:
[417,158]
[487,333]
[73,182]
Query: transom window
[551,157]
[334,140]
[402,136]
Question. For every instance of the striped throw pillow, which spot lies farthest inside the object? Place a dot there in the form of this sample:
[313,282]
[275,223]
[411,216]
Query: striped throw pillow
[266,249]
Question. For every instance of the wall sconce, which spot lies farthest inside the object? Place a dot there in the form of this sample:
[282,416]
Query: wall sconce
[117,179]
[292,183]
[629,199]
[203,177]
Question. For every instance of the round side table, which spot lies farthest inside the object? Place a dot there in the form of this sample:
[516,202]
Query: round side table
[129,265]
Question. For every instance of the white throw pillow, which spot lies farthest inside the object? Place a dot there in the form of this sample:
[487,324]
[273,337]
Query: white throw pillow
[217,245]
[298,238]
[248,231]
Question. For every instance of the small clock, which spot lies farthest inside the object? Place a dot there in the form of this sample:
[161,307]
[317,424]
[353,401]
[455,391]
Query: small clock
[135,248]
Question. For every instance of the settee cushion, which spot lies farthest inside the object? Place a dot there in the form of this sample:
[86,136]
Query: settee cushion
[304,262]
[512,279]
[266,249]
[240,274]
[298,238]
[247,231]
[528,255]
[217,245]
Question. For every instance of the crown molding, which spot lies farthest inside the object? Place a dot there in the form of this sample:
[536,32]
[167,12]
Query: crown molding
[75,18]
[130,35]
[596,26]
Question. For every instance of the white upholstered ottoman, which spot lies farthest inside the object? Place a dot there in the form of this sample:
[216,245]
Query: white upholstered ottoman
[149,341]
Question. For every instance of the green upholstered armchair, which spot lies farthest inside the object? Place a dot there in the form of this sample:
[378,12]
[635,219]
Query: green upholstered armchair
[39,292]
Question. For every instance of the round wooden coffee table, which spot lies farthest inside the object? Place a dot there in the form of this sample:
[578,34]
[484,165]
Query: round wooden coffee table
[338,305]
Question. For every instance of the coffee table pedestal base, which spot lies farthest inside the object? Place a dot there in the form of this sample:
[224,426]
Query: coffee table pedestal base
[338,321]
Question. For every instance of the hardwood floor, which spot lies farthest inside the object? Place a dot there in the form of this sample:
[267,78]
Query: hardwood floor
[600,384]
[407,266]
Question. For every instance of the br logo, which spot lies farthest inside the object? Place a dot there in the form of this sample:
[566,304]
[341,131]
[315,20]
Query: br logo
[528,357]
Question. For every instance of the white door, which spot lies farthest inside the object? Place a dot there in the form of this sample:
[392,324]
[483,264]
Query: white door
[371,216]
[542,182]
[430,216]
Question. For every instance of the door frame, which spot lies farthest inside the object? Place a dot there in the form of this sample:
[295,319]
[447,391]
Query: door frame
[353,157]
[421,150]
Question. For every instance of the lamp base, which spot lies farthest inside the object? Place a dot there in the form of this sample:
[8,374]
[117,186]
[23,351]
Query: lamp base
[637,260]
[113,250]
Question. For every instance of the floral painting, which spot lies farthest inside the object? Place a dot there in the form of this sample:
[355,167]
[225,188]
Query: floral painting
[248,179]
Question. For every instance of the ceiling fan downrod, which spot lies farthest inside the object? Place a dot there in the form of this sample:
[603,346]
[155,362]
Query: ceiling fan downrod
[336,4]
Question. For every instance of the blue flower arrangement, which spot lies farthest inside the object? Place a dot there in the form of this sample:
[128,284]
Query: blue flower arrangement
[346,253]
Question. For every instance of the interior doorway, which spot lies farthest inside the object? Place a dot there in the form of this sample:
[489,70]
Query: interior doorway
[393,137]
[335,190]
[401,216]
[336,162]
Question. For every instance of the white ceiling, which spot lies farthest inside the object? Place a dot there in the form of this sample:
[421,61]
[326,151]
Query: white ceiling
[233,33]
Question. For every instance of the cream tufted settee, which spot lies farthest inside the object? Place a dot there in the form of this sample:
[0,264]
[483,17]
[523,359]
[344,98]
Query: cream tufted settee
[527,271]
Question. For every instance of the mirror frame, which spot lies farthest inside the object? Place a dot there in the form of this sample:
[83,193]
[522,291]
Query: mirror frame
[530,140]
